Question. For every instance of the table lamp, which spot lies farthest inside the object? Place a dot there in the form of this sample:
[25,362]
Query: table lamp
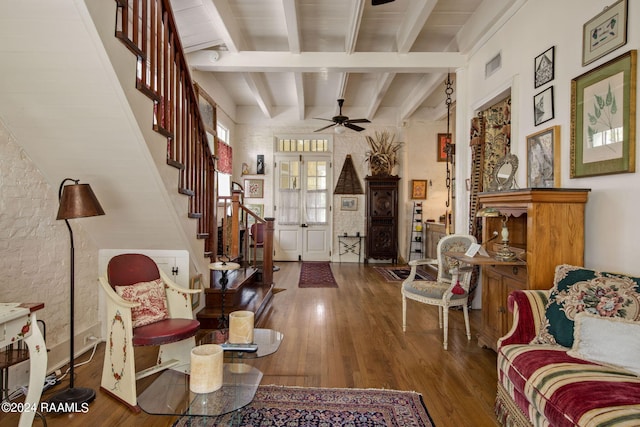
[504,253]
[76,201]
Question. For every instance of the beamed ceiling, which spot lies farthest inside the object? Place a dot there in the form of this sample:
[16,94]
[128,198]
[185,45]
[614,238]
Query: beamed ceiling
[300,56]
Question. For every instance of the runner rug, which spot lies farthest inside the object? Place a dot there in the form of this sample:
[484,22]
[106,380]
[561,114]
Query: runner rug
[316,275]
[305,407]
[398,274]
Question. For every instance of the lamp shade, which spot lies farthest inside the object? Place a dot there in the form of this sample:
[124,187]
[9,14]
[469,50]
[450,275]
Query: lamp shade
[78,201]
[488,213]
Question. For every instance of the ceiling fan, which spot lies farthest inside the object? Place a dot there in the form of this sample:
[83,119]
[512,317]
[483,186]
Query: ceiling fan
[379,2]
[343,121]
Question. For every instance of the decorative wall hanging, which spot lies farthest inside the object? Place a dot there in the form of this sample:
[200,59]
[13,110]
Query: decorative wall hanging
[348,182]
[224,153]
[543,158]
[605,32]
[543,106]
[543,67]
[603,118]
[497,138]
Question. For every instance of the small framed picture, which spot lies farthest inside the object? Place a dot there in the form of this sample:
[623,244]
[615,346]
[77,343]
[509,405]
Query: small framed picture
[543,67]
[254,188]
[419,189]
[543,106]
[257,209]
[605,32]
[543,158]
[349,204]
[443,138]
[260,164]
[195,283]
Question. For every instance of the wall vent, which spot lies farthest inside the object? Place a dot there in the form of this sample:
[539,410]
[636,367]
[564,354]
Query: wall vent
[493,65]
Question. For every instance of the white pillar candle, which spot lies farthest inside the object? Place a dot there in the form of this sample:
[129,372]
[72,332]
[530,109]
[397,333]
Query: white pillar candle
[206,368]
[241,327]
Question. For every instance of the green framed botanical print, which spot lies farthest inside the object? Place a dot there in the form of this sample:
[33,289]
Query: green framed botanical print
[603,118]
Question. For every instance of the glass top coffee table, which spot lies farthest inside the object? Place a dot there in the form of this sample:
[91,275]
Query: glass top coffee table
[169,394]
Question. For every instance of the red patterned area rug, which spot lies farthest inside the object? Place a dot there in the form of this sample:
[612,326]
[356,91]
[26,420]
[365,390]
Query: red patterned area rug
[398,274]
[316,275]
[306,407]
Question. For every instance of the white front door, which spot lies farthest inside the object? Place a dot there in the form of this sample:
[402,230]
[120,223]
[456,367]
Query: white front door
[303,207]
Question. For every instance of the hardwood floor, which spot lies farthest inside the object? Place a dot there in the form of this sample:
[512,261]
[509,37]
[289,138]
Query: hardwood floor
[350,336]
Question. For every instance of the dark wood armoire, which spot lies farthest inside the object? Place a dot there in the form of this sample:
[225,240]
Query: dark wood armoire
[382,217]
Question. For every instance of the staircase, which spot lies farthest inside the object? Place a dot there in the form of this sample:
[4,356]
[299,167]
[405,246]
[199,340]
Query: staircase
[147,28]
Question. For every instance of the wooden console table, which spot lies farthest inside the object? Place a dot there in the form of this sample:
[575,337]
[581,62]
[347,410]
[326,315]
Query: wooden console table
[18,322]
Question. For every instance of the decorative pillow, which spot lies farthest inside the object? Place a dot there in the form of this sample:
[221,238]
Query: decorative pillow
[152,298]
[577,289]
[611,341]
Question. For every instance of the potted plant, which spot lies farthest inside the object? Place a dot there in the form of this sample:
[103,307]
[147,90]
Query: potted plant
[383,153]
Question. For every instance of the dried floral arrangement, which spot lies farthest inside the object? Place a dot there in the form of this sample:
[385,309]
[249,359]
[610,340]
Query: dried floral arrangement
[383,153]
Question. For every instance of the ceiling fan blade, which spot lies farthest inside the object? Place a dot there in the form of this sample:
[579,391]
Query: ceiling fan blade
[354,127]
[358,121]
[320,118]
[379,2]
[326,127]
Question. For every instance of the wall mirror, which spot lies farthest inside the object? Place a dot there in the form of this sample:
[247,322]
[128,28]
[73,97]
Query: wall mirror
[504,173]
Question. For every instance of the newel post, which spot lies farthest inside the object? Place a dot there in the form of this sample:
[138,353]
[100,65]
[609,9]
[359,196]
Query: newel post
[267,253]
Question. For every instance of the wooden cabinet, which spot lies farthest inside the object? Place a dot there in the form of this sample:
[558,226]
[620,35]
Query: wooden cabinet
[434,231]
[382,217]
[547,227]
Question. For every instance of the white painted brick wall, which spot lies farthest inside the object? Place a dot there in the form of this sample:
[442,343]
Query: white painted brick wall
[34,249]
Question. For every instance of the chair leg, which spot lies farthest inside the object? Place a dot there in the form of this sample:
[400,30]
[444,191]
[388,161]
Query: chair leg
[465,310]
[446,325]
[440,317]
[404,313]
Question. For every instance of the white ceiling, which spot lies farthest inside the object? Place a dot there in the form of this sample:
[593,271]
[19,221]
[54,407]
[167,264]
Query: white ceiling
[302,55]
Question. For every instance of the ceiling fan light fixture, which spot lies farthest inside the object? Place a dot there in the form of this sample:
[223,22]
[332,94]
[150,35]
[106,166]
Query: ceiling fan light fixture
[340,129]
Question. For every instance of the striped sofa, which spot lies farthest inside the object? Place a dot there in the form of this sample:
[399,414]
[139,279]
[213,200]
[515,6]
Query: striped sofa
[543,383]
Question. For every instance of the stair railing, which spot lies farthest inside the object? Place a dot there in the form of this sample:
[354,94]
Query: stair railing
[148,29]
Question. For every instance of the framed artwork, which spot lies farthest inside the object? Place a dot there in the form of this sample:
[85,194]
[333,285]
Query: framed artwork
[442,146]
[349,204]
[605,32]
[256,209]
[543,67]
[254,188]
[260,164]
[195,283]
[603,118]
[419,189]
[543,158]
[543,106]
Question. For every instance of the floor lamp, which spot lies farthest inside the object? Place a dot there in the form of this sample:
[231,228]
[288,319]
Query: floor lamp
[76,201]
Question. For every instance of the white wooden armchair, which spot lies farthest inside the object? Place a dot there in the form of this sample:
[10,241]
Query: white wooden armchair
[162,316]
[450,289]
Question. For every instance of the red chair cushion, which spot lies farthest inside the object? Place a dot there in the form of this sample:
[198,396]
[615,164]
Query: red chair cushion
[165,332]
[129,269]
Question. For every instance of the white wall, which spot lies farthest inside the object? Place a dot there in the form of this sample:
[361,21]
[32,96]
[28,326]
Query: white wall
[612,231]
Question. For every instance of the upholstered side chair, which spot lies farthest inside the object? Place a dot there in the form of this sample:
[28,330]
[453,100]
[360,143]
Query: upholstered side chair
[451,287]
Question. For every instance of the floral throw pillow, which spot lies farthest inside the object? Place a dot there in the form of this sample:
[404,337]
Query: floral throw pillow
[577,290]
[152,298]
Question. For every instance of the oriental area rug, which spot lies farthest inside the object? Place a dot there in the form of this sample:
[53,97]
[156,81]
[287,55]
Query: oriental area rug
[323,407]
[316,275]
[398,274]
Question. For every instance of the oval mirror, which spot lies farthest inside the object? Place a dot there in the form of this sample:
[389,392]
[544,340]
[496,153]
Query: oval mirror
[504,173]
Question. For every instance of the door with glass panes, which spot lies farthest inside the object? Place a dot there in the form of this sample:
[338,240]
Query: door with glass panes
[303,207]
